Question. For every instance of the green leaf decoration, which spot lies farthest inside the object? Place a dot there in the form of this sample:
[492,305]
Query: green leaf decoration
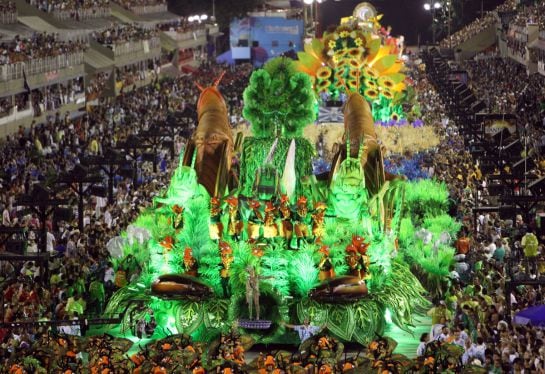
[340,321]
[314,311]
[216,313]
[386,62]
[189,317]
[279,100]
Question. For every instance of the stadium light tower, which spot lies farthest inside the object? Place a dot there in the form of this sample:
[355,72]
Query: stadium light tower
[433,7]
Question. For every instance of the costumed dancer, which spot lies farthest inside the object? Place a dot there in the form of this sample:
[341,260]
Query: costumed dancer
[216,227]
[226,254]
[301,223]
[326,265]
[190,263]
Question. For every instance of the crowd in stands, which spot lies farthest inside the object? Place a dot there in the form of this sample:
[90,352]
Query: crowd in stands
[506,88]
[79,271]
[75,9]
[475,27]
[534,13]
[39,45]
[121,33]
[97,85]
[473,312]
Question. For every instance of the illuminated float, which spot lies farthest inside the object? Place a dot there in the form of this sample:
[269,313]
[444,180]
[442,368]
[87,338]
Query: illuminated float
[262,241]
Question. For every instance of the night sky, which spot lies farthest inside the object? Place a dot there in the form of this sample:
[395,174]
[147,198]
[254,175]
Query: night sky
[407,17]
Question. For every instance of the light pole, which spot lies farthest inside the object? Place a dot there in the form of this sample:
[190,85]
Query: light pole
[429,7]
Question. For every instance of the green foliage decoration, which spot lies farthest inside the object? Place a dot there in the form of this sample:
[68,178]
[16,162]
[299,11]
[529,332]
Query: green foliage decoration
[303,272]
[255,151]
[426,198]
[279,101]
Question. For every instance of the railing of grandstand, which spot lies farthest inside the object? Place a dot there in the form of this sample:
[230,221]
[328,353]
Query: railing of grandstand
[125,48]
[542,35]
[147,9]
[82,14]
[39,66]
[193,34]
[8,18]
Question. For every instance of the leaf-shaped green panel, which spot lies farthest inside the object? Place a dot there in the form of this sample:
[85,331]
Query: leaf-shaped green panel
[190,316]
[216,314]
[340,321]
[316,312]
[386,62]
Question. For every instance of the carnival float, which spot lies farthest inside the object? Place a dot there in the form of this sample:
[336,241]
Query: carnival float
[247,236]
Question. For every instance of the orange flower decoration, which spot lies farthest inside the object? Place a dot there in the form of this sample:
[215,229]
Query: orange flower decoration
[429,361]
[350,248]
[188,253]
[302,201]
[232,201]
[177,209]
[167,242]
[373,346]
[324,250]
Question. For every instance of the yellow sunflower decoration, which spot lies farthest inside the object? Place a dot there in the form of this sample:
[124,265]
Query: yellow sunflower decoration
[356,58]
[371,93]
[323,73]
[387,94]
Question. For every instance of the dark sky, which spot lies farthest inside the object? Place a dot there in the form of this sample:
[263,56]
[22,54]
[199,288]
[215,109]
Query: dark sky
[407,17]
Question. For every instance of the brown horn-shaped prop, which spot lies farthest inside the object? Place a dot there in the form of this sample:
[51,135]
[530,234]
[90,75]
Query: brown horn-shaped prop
[201,88]
[218,80]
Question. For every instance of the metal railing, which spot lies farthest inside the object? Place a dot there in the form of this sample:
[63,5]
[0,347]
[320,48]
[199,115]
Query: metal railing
[125,48]
[147,9]
[82,14]
[193,34]
[39,66]
[8,18]
[542,35]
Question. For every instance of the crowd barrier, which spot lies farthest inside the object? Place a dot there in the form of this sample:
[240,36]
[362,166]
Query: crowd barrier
[82,14]
[124,48]
[8,18]
[147,9]
[39,66]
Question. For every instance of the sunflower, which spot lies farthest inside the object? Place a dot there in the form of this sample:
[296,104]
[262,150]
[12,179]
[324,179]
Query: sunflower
[331,44]
[355,63]
[352,84]
[387,94]
[371,84]
[354,73]
[339,83]
[323,73]
[340,53]
[324,84]
[386,82]
[359,42]
[344,34]
[370,72]
[355,52]
[371,93]
[395,117]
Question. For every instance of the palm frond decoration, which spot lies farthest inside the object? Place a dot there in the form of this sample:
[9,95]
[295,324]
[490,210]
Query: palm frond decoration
[275,264]
[303,272]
